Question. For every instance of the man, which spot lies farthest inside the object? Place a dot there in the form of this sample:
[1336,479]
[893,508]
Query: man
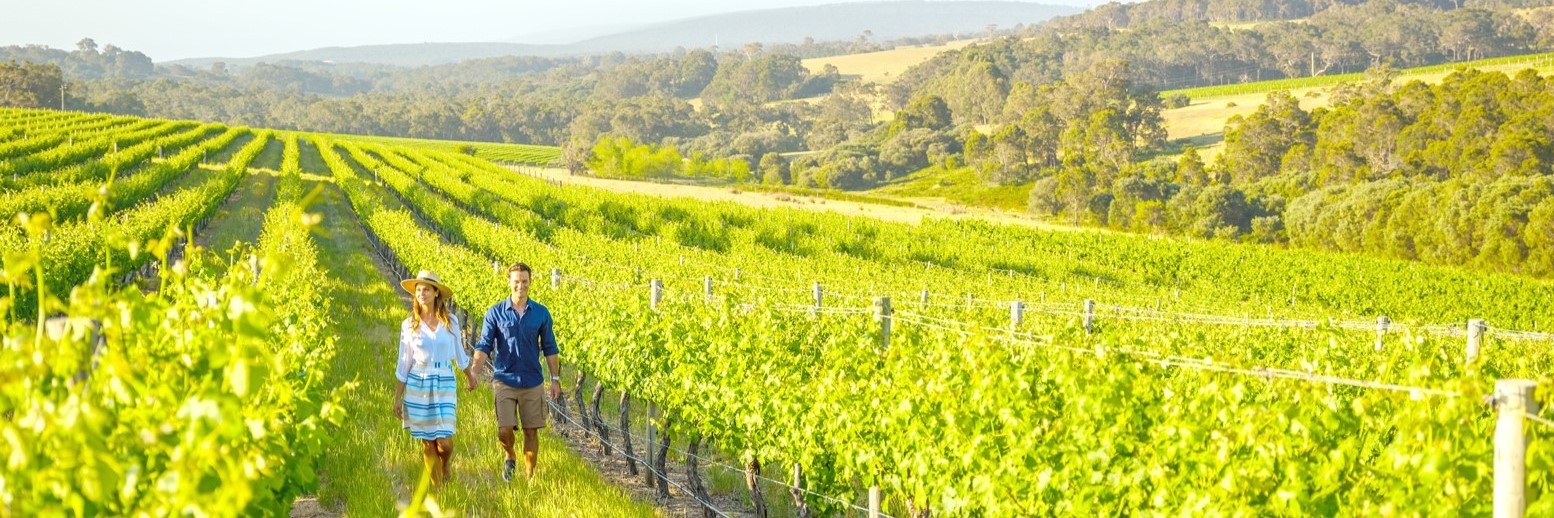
[516,331]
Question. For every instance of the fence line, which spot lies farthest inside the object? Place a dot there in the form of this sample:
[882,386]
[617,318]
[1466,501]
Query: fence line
[555,409]
[1136,313]
[1145,314]
[916,322]
[715,462]
[1539,420]
[1263,372]
[1185,362]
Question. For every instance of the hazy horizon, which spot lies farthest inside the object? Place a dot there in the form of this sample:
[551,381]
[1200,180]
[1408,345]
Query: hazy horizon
[169,30]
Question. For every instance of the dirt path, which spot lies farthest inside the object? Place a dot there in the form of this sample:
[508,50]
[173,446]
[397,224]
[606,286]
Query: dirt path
[938,208]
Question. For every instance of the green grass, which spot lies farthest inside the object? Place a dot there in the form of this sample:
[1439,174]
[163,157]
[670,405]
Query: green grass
[241,218]
[852,196]
[225,155]
[311,161]
[1541,61]
[372,469]
[270,158]
[493,151]
[961,186]
[193,177]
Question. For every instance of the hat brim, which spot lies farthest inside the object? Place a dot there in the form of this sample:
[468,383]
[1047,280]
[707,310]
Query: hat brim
[409,286]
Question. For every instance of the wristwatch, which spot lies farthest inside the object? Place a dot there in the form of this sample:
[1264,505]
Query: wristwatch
[556,379]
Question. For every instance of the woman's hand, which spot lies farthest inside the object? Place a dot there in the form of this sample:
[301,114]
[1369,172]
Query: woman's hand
[470,373]
[399,409]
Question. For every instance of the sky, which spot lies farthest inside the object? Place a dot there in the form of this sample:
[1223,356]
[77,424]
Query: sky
[168,30]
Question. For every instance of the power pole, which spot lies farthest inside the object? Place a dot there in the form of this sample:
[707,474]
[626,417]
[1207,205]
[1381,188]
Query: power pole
[62,96]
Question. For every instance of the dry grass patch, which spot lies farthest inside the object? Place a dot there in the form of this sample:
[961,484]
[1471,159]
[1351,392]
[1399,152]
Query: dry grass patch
[884,66]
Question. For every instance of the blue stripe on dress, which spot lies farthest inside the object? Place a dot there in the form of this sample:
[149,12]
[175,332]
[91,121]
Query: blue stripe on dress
[430,436]
[429,413]
[431,396]
[422,406]
[446,384]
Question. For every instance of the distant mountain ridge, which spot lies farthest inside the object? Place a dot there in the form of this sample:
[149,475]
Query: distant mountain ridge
[402,54]
[846,21]
[884,21]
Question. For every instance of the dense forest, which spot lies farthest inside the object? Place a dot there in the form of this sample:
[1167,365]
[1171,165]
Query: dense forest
[1164,43]
[1456,173]
[1167,53]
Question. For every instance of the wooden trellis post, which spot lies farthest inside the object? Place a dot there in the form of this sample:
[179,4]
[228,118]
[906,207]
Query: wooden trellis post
[1513,401]
[882,315]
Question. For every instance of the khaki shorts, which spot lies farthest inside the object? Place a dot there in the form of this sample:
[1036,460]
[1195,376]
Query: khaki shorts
[513,403]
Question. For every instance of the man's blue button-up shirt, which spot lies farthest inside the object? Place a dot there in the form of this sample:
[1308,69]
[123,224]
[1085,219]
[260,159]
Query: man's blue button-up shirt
[515,343]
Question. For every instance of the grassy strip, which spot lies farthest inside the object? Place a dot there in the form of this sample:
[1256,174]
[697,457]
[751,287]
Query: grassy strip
[372,469]
[493,151]
[242,217]
[1317,81]
[270,157]
[828,194]
[225,154]
[959,185]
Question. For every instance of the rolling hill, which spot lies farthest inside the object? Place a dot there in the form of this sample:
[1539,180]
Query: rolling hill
[883,20]
[844,21]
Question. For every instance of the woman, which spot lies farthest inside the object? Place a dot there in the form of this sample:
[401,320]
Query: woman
[427,393]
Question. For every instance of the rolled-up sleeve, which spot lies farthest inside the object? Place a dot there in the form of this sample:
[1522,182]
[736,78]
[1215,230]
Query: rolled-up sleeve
[548,337]
[488,332]
[402,366]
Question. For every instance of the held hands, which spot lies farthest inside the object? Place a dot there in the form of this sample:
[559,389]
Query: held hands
[470,374]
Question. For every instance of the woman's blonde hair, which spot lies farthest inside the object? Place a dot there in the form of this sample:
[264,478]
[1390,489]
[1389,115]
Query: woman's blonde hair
[441,310]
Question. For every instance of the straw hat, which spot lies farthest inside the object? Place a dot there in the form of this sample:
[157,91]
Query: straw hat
[430,279]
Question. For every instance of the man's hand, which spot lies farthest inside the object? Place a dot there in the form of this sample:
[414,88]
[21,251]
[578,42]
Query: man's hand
[470,374]
[555,390]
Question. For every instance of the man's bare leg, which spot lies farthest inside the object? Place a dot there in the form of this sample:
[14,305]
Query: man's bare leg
[505,435]
[531,449]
